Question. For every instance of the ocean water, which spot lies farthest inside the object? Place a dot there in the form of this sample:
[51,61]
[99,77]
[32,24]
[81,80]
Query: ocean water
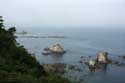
[80,42]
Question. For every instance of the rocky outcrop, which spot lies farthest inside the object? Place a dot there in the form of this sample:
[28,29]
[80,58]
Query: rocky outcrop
[100,62]
[92,63]
[102,57]
[55,68]
[57,48]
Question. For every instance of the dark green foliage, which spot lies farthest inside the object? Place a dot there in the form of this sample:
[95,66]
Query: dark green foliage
[17,65]
[12,29]
[1,22]
[53,79]
[15,58]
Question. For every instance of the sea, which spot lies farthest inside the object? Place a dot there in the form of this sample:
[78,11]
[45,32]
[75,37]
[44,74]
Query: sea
[79,42]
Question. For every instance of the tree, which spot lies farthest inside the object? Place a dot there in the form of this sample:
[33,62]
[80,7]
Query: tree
[12,29]
[1,21]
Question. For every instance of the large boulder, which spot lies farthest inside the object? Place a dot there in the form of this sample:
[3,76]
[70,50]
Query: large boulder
[57,68]
[102,57]
[92,63]
[56,48]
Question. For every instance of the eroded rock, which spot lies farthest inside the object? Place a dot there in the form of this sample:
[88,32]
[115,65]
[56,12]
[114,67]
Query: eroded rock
[57,48]
[100,62]
[102,57]
[92,63]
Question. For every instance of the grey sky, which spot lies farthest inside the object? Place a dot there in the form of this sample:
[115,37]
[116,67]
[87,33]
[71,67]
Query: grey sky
[64,13]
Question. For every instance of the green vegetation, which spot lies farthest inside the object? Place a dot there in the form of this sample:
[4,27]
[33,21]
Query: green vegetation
[17,65]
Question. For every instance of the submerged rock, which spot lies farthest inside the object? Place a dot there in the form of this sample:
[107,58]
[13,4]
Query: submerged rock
[57,48]
[123,56]
[46,53]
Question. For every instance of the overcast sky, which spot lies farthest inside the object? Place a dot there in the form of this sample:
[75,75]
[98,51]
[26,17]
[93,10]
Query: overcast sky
[63,13]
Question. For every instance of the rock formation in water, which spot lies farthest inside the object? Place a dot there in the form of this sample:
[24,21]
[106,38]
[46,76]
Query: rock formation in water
[92,63]
[102,57]
[55,68]
[101,60]
[57,48]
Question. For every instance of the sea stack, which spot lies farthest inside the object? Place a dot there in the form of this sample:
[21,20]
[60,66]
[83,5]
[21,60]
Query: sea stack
[102,57]
[57,48]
